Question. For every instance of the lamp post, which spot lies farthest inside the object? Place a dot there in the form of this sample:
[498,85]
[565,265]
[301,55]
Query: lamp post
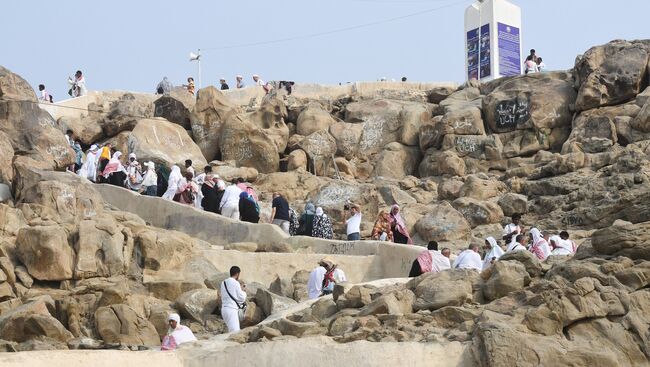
[197,57]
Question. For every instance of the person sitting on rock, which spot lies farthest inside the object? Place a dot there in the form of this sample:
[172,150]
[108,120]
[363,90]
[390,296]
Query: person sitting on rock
[381,230]
[446,252]
[224,85]
[539,246]
[513,229]
[323,277]
[564,235]
[306,221]
[560,246]
[186,193]
[233,299]
[398,226]
[229,205]
[493,252]
[190,85]
[164,87]
[150,180]
[133,173]
[519,244]
[114,173]
[177,334]
[429,260]
[322,225]
[248,211]
[469,259]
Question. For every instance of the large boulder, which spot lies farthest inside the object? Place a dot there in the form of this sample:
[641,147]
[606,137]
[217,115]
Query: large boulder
[347,136]
[125,112]
[527,259]
[319,145]
[86,128]
[482,188]
[104,248]
[161,141]
[313,118]
[270,117]
[30,321]
[439,163]
[536,101]
[597,130]
[272,303]
[13,86]
[478,212]
[623,239]
[446,288]
[207,118]
[611,73]
[443,223]
[198,304]
[173,110]
[119,323]
[248,145]
[397,302]
[6,158]
[505,277]
[397,161]
[45,252]
[474,146]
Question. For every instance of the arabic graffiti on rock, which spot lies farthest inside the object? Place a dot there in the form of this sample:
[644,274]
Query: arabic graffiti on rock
[511,113]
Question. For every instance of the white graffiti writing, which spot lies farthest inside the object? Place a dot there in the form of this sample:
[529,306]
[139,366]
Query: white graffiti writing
[466,145]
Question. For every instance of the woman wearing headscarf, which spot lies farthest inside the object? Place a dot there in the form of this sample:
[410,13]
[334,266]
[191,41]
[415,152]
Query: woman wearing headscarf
[133,173]
[209,201]
[173,182]
[493,253]
[177,334]
[78,155]
[381,231]
[150,180]
[187,189]
[306,222]
[560,246]
[89,167]
[114,173]
[539,246]
[398,226]
[247,209]
[322,225]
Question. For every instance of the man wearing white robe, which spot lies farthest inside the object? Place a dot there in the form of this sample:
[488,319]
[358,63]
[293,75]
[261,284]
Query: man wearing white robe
[230,202]
[469,259]
[89,168]
[513,229]
[518,245]
[561,247]
[232,297]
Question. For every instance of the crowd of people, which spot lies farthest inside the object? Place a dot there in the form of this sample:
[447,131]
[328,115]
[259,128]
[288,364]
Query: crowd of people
[165,87]
[534,63]
[514,239]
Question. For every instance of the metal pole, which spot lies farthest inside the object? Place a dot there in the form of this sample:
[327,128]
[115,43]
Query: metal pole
[198,59]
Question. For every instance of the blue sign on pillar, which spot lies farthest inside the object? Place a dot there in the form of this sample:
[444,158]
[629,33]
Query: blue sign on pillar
[509,50]
[473,53]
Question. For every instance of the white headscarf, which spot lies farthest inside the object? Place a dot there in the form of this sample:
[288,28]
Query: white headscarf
[319,211]
[495,252]
[540,242]
[182,334]
[174,317]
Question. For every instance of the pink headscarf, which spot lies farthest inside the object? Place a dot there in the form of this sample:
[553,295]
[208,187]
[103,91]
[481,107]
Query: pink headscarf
[399,223]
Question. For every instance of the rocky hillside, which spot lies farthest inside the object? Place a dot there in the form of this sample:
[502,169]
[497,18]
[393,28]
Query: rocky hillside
[567,149]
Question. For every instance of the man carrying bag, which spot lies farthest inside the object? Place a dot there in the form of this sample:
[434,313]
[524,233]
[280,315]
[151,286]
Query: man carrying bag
[233,300]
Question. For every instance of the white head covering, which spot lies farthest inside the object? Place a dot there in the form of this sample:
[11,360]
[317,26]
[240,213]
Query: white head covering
[132,155]
[537,235]
[495,252]
[239,76]
[255,76]
[150,165]
[93,148]
[319,211]
[117,155]
[174,317]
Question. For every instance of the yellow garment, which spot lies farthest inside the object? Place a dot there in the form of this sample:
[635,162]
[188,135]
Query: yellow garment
[106,153]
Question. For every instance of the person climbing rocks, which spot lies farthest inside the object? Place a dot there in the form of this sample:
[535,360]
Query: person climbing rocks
[149,184]
[306,221]
[322,225]
[229,205]
[248,211]
[224,85]
[280,211]
[233,299]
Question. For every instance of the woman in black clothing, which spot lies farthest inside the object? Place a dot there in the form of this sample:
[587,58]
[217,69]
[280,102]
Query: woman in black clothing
[210,202]
[247,209]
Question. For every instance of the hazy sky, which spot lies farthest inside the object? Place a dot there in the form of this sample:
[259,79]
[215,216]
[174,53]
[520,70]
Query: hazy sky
[131,45]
